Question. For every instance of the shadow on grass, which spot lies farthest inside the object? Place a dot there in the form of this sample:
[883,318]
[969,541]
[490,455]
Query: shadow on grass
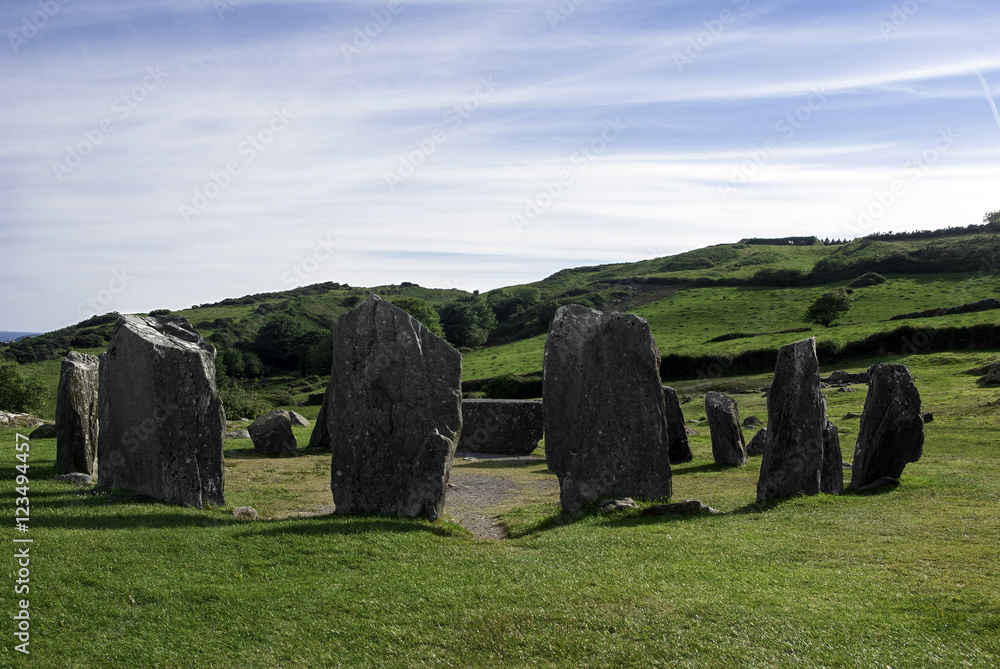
[591,512]
[678,470]
[351,525]
[505,464]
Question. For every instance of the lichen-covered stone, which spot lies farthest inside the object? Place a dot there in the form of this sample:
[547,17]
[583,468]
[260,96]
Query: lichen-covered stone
[162,422]
[677,436]
[891,433]
[605,424]
[728,447]
[77,412]
[796,420]
[756,445]
[507,427]
[393,411]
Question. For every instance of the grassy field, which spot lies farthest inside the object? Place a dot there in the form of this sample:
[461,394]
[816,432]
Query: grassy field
[687,321]
[905,578]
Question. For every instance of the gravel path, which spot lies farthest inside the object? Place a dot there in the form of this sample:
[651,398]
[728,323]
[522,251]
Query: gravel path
[476,497]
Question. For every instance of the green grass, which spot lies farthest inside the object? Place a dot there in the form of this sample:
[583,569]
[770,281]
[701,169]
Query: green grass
[685,322]
[903,579]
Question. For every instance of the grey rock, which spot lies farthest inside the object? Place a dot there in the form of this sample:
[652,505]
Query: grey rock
[605,423]
[619,504]
[162,422]
[756,445]
[832,479]
[927,417]
[842,377]
[272,434]
[677,433]
[43,431]
[891,433]
[728,446]
[845,389]
[77,409]
[238,434]
[796,420]
[688,506]
[850,414]
[993,375]
[845,465]
[883,482]
[507,427]
[394,413]
[320,436]
[752,422]
[76,478]
[298,419]
[245,513]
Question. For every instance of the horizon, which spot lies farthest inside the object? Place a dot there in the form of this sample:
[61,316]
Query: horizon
[174,154]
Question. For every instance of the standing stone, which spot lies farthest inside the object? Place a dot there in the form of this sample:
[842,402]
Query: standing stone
[506,427]
[320,436]
[892,431]
[796,421]
[728,447]
[394,413]
[832,480]
[605,424]
[756,445]
[677,437]
[162,422]
[272,434]
[77,414]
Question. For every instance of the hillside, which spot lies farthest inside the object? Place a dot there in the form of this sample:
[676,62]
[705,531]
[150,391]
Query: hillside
[714,311]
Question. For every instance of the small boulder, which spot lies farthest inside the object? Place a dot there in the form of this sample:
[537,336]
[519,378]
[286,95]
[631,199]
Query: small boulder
[238,434]
[76,478]
[43,431]
[728,446]
[298,419]
[612,505]
[752,422]
[688,506]
[272,434]
[245,513]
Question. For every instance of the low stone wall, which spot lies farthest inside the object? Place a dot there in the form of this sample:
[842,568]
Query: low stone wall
[508,427]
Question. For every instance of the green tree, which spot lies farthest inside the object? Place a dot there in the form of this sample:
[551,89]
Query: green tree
[276,340]
[422,311]
[992,218]
[829,306]
[467,321]
[18,391]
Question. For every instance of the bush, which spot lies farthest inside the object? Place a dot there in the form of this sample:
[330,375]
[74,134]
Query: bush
[20,393]
[513,387]
[829,306]
[867,279]
[243,403]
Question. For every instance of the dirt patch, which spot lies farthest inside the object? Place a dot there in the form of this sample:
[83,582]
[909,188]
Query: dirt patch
[481,487]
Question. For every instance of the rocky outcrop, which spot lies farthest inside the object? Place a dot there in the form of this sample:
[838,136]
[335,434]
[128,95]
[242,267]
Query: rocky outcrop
[677,436]
[891,433]
[393,412]
[796,421]
[506,427]
[162,422]
[605,424]
[272,434]
[77,414]
[728,447]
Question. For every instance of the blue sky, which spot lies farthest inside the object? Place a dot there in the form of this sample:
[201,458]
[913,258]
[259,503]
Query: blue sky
[164,154]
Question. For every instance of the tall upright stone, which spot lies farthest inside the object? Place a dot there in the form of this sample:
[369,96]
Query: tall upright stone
[891,433]
[505,427]
[77,414]
[605,423]
[393,412]
[796,424]
[162,422]
[677,437]
[728,446]
[832,479]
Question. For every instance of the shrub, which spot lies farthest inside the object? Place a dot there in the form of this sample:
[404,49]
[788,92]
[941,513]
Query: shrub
[829,306]
[867,279]
[513,387]
[19,392]
[241,402]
